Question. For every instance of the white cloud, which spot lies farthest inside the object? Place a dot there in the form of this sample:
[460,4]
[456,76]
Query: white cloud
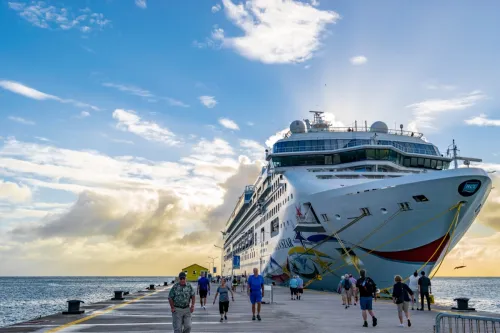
[276,31]
[425,112]
[43,15]
[253,149]
[482,120]
[216,8]
[133,90]
[332,119]
[249,123]
[358,60]
[314,3]
[22,120]
[141,4]
[84,114]
[275,137]
[216,147]
[228,123]
[129,89]
[21,89]
[208,101]
[129,121]
[26,91]
[13,192]
[41,138]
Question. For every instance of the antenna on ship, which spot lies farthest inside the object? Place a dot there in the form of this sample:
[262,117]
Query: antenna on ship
[454,154]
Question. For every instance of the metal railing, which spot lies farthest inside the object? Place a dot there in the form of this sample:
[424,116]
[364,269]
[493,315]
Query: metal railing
[455,323]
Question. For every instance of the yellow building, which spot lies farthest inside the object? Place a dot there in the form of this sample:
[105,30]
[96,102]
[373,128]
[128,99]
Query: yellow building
[193,272]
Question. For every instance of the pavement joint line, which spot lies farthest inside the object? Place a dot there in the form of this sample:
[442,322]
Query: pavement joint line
[81,320]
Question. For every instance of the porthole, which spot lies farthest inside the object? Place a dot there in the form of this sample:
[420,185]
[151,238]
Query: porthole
[383,210]
[337,216]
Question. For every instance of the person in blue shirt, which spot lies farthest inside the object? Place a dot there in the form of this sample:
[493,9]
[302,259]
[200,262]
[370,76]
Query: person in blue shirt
[256,291]
[203,290]
[293,287]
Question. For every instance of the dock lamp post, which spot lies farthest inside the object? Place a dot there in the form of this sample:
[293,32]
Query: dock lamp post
[213,264]
[221,255]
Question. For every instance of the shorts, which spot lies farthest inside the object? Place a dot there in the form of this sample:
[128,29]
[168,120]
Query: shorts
[223,307]
[403,307]
[300,290]
[256,297]
[203,293]
[346,293]
[366,303]
[293,291]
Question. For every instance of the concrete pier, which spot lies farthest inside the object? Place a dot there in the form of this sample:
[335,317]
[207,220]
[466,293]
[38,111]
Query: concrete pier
[149,311]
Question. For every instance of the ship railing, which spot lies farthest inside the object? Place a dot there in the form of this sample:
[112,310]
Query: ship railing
[359,129]
[456,323]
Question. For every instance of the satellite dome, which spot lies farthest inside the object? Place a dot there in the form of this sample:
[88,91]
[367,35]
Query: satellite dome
[297,126]
[379,127]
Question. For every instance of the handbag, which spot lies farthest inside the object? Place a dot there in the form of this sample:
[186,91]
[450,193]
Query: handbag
[431,298]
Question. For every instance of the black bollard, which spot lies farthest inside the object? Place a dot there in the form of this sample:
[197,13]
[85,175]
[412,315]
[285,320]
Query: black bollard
[462,304]
[74,307]
[165,283]
[173,281]
[118,296]
[126,293]
[151,287]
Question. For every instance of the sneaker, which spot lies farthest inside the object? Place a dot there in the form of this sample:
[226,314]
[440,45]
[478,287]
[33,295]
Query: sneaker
[346,306]
[225,317]
[365,324]
[409,323]
[374,321]
[401,325]
[258,317]
[221,320]
[412,308]
[253,318]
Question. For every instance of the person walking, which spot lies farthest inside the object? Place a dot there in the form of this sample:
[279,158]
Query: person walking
[224,291]
[203,289]
[293,287]
[243,282]
[300,286]
[424,286]
[235,283]
[256,291]
[401,297]
[413,284]
[347,290]
[340,290]
[367,291]
[354,292]
[179,298]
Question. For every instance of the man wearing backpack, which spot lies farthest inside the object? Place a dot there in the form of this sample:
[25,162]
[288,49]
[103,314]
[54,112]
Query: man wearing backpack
[347,286]
[367,290]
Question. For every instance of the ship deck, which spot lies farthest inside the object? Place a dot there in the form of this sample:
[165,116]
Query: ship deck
[149,312]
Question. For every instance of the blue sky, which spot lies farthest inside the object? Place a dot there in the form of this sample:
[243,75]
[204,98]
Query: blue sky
[105,104]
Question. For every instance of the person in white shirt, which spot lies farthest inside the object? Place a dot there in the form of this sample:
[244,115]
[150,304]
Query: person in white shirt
[413,284]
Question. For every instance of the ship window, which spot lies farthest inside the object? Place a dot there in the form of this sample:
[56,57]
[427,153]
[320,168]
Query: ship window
[328,159]
[275,227]
[433,164]
[427,163]
[420,198]
[414,161]
[439,165]
[420,162]
[406,162]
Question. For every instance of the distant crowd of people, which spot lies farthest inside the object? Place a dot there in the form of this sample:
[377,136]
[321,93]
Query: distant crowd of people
[362,290]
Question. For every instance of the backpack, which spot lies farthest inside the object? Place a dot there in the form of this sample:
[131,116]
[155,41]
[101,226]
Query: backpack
[369,285]
[347,284]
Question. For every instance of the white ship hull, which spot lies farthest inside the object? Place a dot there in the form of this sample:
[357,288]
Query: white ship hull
[385,242]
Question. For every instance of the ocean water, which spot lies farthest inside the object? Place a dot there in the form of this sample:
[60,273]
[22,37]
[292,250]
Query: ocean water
[25,298]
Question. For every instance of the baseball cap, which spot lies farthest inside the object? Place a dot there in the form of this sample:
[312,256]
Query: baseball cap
[182,275]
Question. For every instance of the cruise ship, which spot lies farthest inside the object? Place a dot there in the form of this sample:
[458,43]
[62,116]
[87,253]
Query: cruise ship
[334,200]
